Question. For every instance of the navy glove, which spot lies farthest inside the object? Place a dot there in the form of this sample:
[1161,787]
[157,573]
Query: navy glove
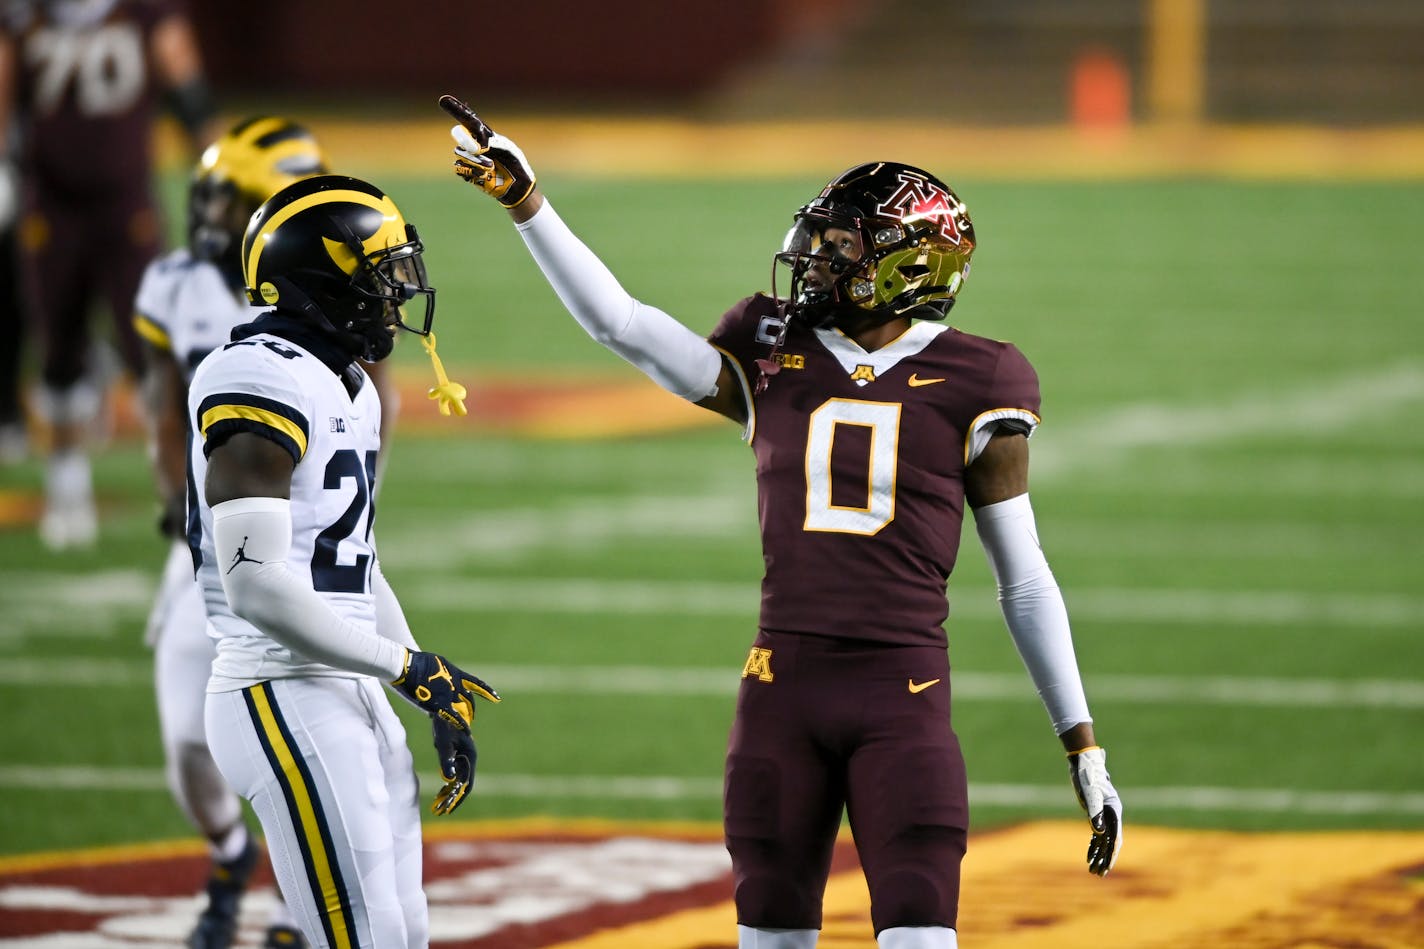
[438,687]
[446,693]
[455,748]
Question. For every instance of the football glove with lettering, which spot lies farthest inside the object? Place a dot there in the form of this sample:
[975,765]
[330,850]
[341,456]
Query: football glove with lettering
[446,693]
[1089,769]
[486,159]
[456,750]
[439,688]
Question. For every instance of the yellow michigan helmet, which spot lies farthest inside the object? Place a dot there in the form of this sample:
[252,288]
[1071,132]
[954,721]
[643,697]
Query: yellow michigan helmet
[337,251]
[252,161]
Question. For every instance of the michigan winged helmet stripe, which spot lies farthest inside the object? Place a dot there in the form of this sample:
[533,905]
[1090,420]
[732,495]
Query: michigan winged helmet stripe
[224,414]
[389,234]
[261,155]
[306,814]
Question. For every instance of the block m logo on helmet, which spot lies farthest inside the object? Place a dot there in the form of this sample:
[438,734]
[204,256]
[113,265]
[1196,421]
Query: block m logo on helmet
[918,199]
[389,233]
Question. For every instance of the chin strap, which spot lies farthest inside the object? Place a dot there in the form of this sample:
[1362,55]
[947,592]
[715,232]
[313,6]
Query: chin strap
[449,395]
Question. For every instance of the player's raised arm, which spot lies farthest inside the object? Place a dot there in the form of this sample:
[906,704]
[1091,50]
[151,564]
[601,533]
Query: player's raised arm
[672,355]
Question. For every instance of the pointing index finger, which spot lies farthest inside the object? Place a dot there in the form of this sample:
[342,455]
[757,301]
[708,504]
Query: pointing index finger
[466,116]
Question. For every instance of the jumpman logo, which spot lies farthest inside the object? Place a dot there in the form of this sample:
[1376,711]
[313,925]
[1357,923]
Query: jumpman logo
[241,556]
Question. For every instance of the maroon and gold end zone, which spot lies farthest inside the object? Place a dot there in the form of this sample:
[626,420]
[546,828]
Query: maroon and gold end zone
[544,884]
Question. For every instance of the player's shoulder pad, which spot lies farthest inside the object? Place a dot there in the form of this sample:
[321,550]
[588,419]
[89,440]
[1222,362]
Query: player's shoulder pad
[756,315]
[258,384]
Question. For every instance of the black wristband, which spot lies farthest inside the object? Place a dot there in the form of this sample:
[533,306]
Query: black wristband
[192,105]
[173,519]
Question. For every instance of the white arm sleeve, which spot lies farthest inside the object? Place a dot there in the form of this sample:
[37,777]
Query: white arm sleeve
[1033,608]
[674,356]
[390,618]
[254,535]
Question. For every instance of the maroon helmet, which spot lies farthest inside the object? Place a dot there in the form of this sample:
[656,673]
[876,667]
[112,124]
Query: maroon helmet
[915,240]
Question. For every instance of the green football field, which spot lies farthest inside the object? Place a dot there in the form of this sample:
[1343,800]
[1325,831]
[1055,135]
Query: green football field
[1229,483]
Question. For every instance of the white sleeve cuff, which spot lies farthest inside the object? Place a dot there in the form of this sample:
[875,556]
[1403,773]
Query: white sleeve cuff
[252,537]
[1033,608]
[672,355]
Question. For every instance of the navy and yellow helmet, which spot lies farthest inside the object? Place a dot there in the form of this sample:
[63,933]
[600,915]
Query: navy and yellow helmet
[915,237]
[338,251]
[252,161]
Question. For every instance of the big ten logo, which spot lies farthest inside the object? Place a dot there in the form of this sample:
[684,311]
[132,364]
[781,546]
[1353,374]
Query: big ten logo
[791,360]
[338,424]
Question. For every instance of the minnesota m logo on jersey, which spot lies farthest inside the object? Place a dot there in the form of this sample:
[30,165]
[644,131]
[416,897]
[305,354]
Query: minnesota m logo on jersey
[758,664]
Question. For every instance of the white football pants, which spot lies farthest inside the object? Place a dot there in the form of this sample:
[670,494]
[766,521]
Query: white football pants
[325,765]
[182,660]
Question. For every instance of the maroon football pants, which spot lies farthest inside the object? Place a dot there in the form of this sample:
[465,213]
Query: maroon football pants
[75,255]
[825,725]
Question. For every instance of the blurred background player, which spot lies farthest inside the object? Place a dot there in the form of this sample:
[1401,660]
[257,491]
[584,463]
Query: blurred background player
[873,424]
[14,437]
[286,437]
[81,81]
[188,303]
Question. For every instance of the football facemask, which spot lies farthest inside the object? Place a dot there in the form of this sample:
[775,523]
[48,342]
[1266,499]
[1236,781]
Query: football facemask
[824,265]
[381,284]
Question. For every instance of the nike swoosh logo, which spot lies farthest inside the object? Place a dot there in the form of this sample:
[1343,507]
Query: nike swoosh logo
[916,382]
[917,687]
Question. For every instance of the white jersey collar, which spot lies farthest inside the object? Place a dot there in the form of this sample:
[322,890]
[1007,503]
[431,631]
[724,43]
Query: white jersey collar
[848,353]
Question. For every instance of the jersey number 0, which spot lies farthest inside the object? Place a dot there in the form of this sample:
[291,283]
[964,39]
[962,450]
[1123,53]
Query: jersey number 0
[883,421]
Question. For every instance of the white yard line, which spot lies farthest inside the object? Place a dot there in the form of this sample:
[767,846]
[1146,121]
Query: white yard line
[968,686]
[662,788]
[95,604]
[1106,605]
[717,509]
[581,524]
[1316,411]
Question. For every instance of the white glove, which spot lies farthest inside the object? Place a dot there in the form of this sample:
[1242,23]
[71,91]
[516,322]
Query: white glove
[486,159]
[1089,769]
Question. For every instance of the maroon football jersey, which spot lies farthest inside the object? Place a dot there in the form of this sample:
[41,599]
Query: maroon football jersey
[86,97]
[860,460]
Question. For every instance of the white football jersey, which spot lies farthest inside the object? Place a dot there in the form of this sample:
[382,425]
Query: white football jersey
[274,388]
[186,306]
